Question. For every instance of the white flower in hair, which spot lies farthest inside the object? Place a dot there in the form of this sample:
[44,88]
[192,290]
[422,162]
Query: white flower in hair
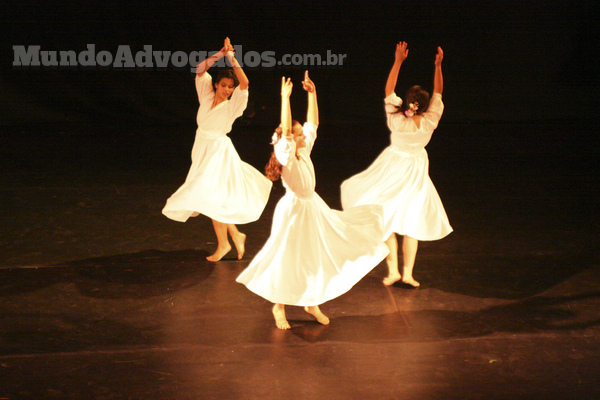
[412,109]
[274,138]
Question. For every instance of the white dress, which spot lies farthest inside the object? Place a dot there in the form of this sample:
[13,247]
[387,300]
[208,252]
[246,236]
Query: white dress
[399,178]
[314,253]
[219,184]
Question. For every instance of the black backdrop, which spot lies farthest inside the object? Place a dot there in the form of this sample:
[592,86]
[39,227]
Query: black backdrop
[504,60]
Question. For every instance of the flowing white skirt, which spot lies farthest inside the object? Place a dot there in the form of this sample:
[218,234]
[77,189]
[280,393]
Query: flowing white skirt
[315,254]
[400,183]
[219,185]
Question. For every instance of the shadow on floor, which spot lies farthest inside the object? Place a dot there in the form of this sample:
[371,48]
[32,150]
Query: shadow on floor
[137,275]
[534,315]
[510,277]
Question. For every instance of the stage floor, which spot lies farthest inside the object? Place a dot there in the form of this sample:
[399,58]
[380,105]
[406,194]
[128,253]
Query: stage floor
[101,297]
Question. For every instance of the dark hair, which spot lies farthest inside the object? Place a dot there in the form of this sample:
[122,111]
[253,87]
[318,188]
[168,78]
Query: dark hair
[227,73]
[274,167]
[416,94]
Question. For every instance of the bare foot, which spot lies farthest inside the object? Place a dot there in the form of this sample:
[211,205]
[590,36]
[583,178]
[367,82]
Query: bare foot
[220,253]
[391,279]
[280,320]
[410,281]
[316,312]
[239,241]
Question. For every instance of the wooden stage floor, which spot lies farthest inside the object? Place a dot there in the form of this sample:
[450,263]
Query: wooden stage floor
[101,297]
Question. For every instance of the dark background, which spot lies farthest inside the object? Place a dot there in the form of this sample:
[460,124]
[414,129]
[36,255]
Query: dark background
[520,89]
[504,60]
[101,296]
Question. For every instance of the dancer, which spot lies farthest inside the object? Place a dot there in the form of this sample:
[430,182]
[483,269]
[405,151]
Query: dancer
[399,178]
[219,184]
[314,254]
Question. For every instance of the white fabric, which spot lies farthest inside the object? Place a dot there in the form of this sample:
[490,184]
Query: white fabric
[399,179]
[219,184]
[314,254]
[392,102]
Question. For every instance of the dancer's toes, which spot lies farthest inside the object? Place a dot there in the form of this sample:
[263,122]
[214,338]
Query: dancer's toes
[391,279]
[280,319]
[240,245]
[316,312]
[220,253]
[410,281]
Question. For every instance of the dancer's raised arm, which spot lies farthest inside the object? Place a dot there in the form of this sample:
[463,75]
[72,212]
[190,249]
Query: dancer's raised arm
[206,64]
[312,113]
[400,56]
[286,110]
[237,69]
[438,79]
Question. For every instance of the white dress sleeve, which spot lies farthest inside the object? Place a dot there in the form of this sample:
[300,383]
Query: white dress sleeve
[203,85]
[285,150]
[310,131]
[396,121]
[434,112]
[392,102]
[238,102]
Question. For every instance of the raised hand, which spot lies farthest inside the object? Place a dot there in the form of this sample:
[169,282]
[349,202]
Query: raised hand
[439,56]
[206,64]
[307,84]
[438,79]
[226,46]
[401,51]
[286,87]
[286,111]
[312,112]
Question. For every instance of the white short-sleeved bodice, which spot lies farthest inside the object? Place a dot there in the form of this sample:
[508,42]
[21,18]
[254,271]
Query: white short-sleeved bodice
[218,120]
[219,184]
[314,253]
[298,173]
[405,135]
[399,178]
